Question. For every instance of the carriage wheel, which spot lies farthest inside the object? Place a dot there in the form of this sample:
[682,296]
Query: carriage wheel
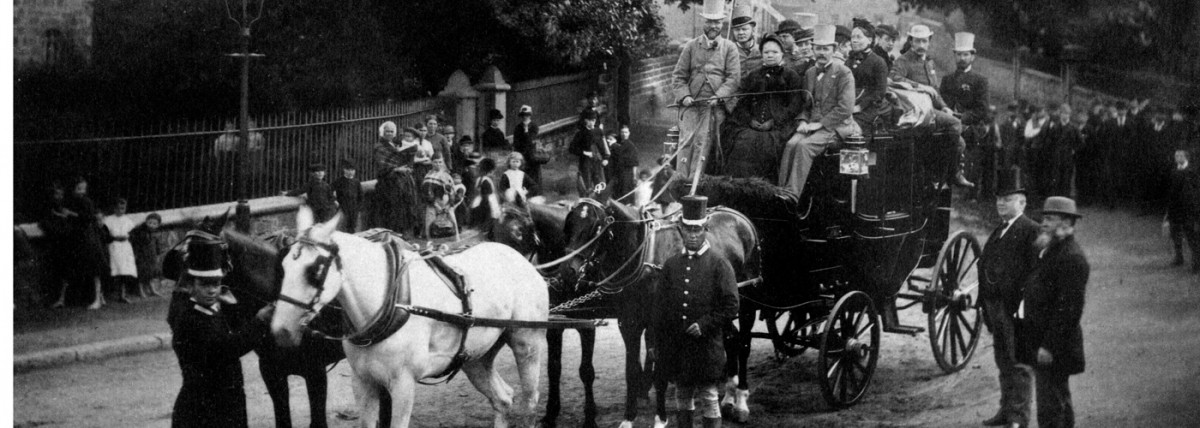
[849,350]
[794,325]
[955,318]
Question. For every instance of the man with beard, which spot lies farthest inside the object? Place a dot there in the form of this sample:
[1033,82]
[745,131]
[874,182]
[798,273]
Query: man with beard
[709,67]
[916,68]
[965,93]
[1050,338]
[742,27]
[697,297]
[1005,265]
[828,119]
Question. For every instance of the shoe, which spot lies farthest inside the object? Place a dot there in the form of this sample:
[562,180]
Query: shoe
[961,181]
[1178,261]
[995,421]
[95,305]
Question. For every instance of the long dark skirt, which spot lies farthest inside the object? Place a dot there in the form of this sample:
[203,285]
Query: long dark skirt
[395,203]
[753,153]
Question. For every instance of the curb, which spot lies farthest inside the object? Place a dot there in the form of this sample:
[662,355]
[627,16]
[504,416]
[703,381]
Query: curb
[91,352]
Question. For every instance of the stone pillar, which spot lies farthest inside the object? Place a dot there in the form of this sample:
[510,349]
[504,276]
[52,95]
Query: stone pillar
[466,98]
[492,83]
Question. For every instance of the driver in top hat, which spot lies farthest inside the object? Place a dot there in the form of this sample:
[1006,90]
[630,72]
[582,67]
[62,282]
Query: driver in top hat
[697,298]
[209,343]
[709,67]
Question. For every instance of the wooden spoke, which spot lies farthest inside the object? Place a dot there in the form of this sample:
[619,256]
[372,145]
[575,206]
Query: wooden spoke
[954,320]
[849,350]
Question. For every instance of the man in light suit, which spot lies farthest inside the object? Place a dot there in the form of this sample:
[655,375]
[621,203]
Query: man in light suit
[1007,260]
[828,119]
[709,67]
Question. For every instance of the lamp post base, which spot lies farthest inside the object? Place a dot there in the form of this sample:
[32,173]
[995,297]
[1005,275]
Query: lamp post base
[242,217]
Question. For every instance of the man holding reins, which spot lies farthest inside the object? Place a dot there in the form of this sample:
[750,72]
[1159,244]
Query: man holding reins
[709,67]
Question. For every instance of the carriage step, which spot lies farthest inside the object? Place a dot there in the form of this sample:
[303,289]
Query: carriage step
[904,329]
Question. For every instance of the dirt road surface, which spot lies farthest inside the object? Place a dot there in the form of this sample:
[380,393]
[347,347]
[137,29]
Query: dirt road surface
[1141,329]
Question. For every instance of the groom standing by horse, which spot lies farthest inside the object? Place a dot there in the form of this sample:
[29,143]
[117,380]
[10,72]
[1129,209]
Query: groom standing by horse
[698,297]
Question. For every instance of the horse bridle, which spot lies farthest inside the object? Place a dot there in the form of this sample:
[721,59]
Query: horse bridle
[600,229]
[315,273]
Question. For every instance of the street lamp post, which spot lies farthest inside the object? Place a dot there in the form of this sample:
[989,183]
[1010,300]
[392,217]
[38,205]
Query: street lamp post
[242,214]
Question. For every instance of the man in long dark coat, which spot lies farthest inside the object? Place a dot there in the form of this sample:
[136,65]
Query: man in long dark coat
[1007,260]
[209,345]
[1050,337]
[697,298]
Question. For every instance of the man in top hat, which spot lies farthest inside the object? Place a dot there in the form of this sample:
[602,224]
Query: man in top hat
[965,92]
[1050,337]
[828,119]
[697,298]
[1005,265]
[317,193]
[209,343]
[918,69]
[709,67]
[742,28]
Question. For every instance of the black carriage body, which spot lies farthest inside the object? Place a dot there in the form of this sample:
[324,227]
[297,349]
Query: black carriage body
[861,232]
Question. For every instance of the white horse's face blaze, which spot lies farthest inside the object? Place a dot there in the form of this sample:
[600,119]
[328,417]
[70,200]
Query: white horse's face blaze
[311,278]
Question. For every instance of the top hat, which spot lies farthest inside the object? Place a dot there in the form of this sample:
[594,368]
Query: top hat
[695,210]
[525,111]
[824,34]
[1061,206]
[713,9]
[495,114]
[788,26]
[807,20]
[205,258]
[743,13]
[964,42]
[920,31]
[1009,182]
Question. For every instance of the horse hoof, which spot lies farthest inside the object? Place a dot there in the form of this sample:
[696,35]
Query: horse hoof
[625,424]
[659,423]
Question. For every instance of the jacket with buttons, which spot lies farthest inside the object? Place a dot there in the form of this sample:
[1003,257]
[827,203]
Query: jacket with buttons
[694,289]
[700,63]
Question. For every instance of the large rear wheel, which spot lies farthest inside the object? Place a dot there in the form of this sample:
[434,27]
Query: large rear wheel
[790,329]
[849,350]
[955,318]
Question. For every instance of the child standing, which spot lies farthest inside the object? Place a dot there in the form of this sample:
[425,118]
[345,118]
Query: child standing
[643,192]
[150,245]
[349,197]
[515,181]
[121,262]
[438,189]
[318,193]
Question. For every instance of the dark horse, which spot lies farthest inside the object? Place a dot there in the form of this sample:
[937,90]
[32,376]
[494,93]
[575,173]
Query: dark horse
[621,254]
[254,279]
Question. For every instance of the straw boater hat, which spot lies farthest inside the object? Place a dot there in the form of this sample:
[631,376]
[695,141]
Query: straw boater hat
[964,42]
[695,210]
[824,34]
[920,31]
[742,14]
[1009,182]
[1061,206]
[713,9]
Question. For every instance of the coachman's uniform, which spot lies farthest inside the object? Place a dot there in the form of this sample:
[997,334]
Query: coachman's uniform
[696,288]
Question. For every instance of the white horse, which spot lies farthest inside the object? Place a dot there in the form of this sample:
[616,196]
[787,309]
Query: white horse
[326,264]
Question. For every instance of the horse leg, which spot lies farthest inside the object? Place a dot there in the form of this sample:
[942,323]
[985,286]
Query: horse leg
[741,405]
[368,401]
[317,385]
[276,382]
[402,390]
[635,378]
[554,340]
[732,351]
[527,345]
[587,374]
[483,375]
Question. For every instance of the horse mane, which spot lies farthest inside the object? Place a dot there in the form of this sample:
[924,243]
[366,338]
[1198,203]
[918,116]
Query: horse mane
[754,196]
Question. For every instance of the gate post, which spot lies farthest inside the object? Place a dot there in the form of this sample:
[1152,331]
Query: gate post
[493,83]
[459,88]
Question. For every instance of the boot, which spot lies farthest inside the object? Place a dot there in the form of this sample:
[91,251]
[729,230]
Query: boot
[956,166]
[684,418]
[712,422]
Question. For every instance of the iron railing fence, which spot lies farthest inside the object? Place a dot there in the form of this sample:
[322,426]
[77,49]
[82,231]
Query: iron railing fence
[188,163]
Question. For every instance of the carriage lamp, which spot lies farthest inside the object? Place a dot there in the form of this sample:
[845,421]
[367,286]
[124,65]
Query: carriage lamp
[855,161]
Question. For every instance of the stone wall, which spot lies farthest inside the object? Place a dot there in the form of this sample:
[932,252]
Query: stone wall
[42,26]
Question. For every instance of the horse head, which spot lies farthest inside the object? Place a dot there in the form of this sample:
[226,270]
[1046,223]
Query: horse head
[311,277]
[603,233]
[255,265]
[516,228]
[662,184]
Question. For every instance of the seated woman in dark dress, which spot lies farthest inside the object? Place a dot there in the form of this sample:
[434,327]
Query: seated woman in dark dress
[761,124]
[870,76]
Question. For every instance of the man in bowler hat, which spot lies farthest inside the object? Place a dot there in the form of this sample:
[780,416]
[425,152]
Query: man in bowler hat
[697,298]
[1007,260]
[1050,337]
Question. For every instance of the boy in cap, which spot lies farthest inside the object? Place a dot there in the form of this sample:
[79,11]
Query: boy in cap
[349,193]
[697,297]
[209,344]
[318,193]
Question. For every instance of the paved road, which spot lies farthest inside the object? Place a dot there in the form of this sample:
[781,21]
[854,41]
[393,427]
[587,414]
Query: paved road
[1142,333]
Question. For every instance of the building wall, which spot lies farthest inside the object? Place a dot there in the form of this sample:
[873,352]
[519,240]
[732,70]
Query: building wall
[51,30]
